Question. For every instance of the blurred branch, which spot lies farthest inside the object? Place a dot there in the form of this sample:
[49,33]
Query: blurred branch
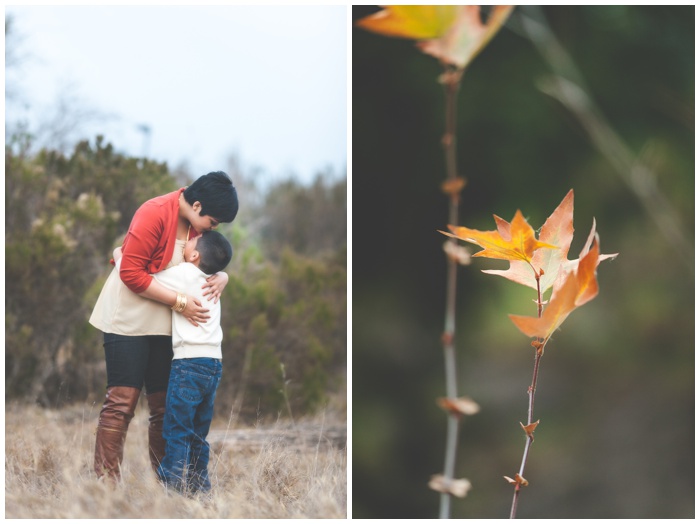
[568,87]
[67,120]
[451,80]
[15,56]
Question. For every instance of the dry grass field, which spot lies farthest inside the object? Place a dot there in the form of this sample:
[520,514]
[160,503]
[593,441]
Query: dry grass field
[280,470]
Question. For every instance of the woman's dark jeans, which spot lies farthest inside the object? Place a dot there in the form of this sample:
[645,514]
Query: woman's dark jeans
[138,361]
[188,415]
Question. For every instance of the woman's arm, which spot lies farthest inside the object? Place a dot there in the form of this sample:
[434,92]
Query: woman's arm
[215,285]
[157,291]
[194,312]
[141,245]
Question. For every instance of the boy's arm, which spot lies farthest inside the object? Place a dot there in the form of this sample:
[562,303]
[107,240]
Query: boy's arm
[172,278]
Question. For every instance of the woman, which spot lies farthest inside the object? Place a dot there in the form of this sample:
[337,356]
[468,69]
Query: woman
[133,310]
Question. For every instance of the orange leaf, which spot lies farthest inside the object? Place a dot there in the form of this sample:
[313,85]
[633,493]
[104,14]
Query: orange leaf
[579,287]
[571,265]
[502,226]
[514,241]
[451,33]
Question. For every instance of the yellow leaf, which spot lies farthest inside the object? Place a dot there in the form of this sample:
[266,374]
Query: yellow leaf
[514,241]
[418,22]
[557,230]
[454,34]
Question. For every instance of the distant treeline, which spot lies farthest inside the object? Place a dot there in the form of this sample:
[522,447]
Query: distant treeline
[284,309]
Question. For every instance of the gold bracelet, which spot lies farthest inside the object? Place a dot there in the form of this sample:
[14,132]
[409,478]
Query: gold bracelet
[180,303]
[184,303]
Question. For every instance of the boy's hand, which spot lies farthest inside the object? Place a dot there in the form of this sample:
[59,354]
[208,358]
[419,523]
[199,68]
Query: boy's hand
[194,312]
[215,285]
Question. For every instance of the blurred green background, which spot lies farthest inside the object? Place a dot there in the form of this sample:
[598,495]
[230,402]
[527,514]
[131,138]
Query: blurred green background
[616,389]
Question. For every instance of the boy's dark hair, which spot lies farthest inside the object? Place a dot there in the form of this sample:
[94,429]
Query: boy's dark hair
[217,195]
[215,252]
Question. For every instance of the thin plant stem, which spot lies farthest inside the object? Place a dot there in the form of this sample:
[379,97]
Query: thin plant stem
[451,80]
[530,437]
[539,351]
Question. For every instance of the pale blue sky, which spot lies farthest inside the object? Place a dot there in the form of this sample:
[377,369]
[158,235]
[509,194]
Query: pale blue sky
[268,83]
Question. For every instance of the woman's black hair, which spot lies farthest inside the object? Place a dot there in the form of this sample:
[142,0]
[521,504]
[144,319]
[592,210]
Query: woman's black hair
[217,195]
[215,252]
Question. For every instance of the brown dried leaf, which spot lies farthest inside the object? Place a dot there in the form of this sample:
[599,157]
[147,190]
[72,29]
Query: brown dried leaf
[456,487]
[453,186]
[517,481]
[530,429]
[459,406]
[459,254]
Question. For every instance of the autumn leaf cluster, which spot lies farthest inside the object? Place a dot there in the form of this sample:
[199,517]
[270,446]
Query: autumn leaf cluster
[541,263]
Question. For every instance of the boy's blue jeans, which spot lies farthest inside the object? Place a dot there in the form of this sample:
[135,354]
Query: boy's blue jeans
[188,414]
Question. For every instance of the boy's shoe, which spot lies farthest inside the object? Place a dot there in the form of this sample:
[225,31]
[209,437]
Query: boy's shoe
[205,497]
[171,484]
[198,482]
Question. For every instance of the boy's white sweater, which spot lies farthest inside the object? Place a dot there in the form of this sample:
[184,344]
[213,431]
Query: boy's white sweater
[190,341]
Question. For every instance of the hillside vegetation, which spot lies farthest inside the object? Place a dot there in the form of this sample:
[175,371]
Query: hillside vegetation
[284,309]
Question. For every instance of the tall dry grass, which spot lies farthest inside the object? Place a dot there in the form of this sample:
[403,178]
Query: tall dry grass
[282,470]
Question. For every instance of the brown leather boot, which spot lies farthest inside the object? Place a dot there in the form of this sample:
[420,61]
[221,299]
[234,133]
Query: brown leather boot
[156,442]
[117,412]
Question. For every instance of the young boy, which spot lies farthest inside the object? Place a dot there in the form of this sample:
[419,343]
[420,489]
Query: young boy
[196,367]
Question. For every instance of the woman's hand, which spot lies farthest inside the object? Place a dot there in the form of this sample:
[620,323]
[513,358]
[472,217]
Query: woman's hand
[215,285]
[194,312]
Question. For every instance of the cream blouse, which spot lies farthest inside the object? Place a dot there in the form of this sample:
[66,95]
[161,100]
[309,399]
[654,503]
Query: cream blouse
[121,311]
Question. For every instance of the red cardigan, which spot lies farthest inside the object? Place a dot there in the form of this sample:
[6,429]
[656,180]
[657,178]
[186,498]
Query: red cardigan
[149,243]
